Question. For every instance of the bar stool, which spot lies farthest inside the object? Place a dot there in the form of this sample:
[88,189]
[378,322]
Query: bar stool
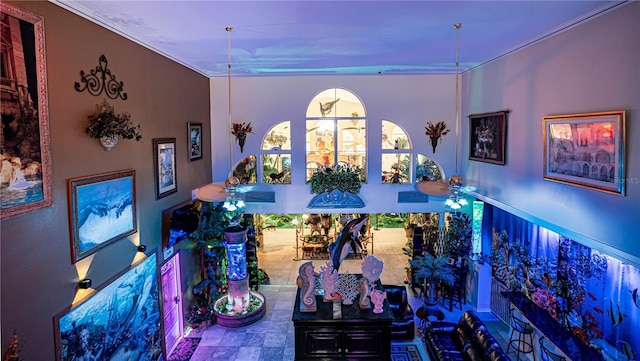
[547,355]
[524,330]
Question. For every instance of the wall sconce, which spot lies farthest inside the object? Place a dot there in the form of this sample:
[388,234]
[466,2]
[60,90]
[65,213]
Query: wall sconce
[85,284]
[142,248]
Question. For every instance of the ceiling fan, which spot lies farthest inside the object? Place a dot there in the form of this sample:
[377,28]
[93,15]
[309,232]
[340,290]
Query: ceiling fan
[452,187]
[223,191]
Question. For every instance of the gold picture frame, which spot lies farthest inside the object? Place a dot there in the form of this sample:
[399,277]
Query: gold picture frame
[586,150]
[25,159]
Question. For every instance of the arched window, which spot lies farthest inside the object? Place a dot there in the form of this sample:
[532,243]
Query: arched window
[336,131]
[276,154]
[396,161]
[427,169]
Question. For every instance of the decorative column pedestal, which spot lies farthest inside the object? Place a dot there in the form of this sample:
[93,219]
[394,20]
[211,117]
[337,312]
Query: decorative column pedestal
[240,306]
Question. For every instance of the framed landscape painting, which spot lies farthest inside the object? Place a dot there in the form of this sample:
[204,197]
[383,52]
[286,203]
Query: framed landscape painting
[121,320]
[488,137]
[164,159]
[102,209]
[25,164]
[195,141]
[586,150]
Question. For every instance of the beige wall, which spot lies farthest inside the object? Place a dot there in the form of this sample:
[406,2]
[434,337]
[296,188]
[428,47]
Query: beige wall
[38,277]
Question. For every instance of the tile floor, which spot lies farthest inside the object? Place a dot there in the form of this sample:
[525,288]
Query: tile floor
[272,338]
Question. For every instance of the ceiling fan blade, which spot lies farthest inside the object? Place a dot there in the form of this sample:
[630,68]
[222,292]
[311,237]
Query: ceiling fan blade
[439,188]
[212,192]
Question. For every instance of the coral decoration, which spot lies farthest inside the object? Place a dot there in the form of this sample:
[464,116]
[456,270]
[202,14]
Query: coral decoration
[328,280]
[372,268]
[347,287]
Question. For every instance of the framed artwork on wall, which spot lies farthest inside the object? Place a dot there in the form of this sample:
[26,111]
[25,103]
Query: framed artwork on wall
[25,164]
[164,159]
[102,209]
[586,150]
[124,314]
[195,141]
[488,137]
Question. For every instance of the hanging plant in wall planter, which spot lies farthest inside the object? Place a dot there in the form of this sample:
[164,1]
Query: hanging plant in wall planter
[108,127]
[240,131]
[435,131]
[336,187]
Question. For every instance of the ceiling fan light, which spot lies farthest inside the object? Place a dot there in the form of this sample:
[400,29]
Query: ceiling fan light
[455,205]
[448,202]
[240,203]
[463,201]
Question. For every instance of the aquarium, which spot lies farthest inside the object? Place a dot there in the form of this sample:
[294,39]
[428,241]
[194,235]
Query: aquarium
[591,295]
[237,256]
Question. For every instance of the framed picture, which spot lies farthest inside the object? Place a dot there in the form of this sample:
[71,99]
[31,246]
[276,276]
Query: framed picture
[102,210]
[488,137]
[25,180]
[164,158]
[586,150]
[195,141]
[124,314]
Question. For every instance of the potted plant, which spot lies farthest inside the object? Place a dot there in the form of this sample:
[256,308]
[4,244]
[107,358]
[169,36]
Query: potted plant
[434,131]
[108,127]
[240,131]
[457,238]
[341,177]
[431,270]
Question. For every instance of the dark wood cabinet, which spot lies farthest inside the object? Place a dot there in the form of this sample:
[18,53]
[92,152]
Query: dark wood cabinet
[357,335]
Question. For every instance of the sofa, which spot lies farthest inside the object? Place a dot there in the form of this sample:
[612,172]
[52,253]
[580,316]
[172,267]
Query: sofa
[403,326]
[468,339]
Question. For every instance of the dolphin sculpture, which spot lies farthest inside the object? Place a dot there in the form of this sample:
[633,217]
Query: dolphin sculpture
[347,240]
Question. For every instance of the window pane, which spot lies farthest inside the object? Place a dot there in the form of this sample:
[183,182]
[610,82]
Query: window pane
[276,168]
[335,103]
[278,138]
[320,143]
[245,170]
[427,169]
[392,133]
[352,143]
[396,168]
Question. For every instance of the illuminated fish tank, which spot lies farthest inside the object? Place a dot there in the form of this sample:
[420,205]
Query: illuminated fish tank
[237,255]
[586,302]
[240,306]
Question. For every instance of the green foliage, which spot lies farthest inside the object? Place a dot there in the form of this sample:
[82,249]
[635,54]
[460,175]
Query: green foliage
[209,239]
[341,177]
[458,243]
[433,269]
[105,122]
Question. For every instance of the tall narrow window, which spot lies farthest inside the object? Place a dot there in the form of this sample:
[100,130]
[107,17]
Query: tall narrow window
[396,160]
[276,154]
[336,131]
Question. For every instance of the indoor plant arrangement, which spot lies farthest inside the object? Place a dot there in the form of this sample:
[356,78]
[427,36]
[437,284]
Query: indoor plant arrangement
[240,131]
[341,177]
[432,270]
[435,131]
[457,238]
[108,127]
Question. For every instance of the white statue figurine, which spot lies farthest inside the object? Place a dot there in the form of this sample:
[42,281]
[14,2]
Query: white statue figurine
[364,302]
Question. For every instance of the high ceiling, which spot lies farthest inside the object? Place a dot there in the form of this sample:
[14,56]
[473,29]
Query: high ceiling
[335,37]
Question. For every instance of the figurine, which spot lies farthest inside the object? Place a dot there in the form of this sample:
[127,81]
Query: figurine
[306,282]
[378,297]
[363,286]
